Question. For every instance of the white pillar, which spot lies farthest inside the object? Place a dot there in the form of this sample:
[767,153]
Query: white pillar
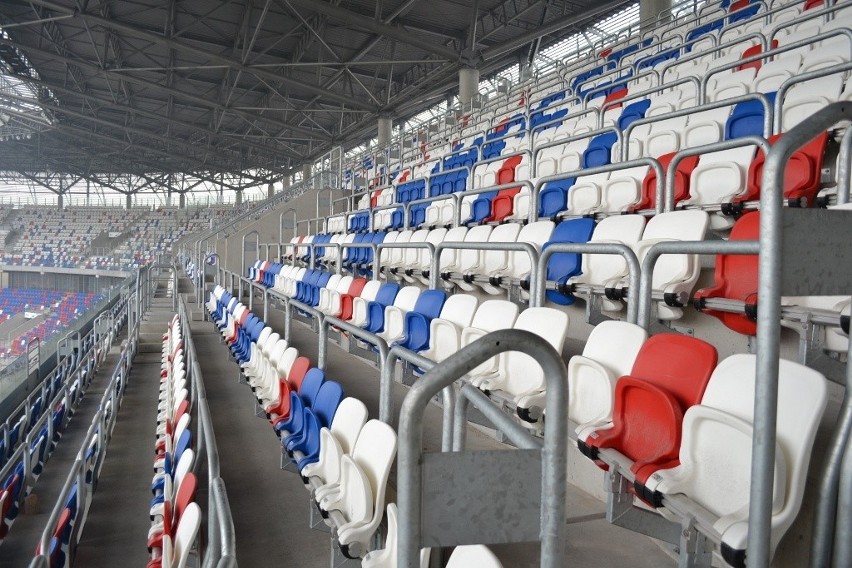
[287,182]
[385,130]
[270,191]
[129,201]
[182,200]
[60,201]
[238,199]
[468,84]
[307,171]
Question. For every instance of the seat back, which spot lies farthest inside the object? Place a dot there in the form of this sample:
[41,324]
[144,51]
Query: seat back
[477,555]
[357,286]
[297,373]
[688,225]
[448,256]
[624,229]
[311,386]
[459,309]
[328,399]
[285,361]
[523,373]
[679,364]
[497,260]
[429,303]
[187,531]
[350,417]
[370,289]
[374,454]
[537,234]
[467,259]
[736,277]
[561,265]
[592,375]
[495,314]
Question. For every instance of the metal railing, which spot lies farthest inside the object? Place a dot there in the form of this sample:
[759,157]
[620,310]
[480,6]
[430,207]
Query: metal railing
[220,551]
[83,474]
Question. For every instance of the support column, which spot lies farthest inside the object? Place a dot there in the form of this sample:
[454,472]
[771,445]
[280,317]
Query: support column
[307,171]
[650,9]
[182,200]
[287,182]
[129,201]
[468,85]
[270,191]
[238,199]
[60,201]
[385,131]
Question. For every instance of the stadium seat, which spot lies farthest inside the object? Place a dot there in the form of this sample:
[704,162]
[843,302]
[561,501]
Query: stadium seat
[736,279]
[337,441]
[668,377]
[719,431]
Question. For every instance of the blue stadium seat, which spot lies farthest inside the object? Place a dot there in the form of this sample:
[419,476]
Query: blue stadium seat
[562,265]
[427,308]
[376,309]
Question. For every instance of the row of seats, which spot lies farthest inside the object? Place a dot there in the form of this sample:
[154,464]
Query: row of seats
[632,188]
[23,419]
[66,532]
[637,401]
[572,275]
[71,237]
[175,516]
[343,456]
[662,411]
[304,409]
[494,271]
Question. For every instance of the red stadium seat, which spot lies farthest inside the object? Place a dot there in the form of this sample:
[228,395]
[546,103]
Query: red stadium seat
[681,187]
[754,50]
[801,177]
[736,279]
[503,203]
[346,299]
[669,376]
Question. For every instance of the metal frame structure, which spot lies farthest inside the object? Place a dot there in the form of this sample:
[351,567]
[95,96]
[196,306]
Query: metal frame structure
[240,94]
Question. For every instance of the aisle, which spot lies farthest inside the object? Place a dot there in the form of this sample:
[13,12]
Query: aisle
[117,527]
[20,544]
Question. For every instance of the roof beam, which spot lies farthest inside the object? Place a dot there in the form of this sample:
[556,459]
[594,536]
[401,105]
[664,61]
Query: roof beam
[200,101]
[499,49]
[279,151]
[393,31]
[186,47]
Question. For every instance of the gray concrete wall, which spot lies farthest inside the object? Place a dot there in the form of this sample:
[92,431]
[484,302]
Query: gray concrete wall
[229,249]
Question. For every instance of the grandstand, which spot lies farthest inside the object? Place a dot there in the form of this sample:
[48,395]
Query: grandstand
[426,284]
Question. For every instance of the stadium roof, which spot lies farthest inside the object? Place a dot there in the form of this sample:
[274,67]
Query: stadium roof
[143,87]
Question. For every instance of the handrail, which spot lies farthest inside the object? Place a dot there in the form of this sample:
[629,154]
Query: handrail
[616,166]
[730,102]
[220,523]
[553,454]
[682,247]
[758,141]
[768,352]
[100,429]
[533,250]
[705,79]
[537,292]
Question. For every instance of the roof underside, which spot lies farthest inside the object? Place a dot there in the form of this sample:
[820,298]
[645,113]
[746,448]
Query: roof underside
[171,86]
